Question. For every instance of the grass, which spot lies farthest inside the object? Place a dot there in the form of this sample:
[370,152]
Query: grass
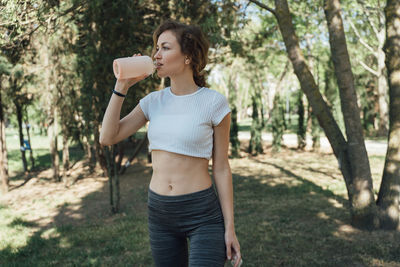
[290,210]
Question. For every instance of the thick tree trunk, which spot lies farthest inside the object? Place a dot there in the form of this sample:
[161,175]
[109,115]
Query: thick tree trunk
[3,151]
[364,208]
[21,134]
[389,193]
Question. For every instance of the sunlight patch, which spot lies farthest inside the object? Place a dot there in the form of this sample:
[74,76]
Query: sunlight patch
[289,182]
[65,243]
[322,215]
[50,233]
[335,203]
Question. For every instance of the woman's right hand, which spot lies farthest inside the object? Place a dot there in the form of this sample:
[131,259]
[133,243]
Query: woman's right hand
[122,85]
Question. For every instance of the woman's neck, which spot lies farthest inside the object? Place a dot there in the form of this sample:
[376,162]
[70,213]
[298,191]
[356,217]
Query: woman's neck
[183,84]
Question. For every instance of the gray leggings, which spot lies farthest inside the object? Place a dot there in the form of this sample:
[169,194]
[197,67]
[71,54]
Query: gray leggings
[197,216]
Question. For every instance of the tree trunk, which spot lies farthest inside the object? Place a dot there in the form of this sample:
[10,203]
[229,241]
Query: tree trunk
[136,151]
[65,158]
[113,177]
[28,127]
[52,133]
[255,144]
[3,151]
[389,193]
[382,89]
[234,129]
[100,153]
[315,131]
[301,130]
[277,123]
[21,134]
[363,203]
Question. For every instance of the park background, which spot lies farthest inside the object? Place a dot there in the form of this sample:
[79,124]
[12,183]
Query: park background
[307,81]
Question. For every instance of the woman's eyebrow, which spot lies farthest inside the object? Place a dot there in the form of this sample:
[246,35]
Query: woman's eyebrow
[164,43]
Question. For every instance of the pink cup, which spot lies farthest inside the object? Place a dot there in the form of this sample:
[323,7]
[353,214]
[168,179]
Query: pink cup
[130,67]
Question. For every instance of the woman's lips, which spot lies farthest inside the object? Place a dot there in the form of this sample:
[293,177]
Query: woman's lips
[158,65]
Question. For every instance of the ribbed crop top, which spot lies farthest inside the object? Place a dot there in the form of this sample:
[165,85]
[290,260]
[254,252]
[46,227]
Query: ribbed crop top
[183,124]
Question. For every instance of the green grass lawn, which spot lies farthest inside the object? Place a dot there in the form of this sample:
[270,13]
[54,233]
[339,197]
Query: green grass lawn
[290,210]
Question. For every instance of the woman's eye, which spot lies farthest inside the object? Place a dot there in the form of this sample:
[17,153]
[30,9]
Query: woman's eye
[165,48]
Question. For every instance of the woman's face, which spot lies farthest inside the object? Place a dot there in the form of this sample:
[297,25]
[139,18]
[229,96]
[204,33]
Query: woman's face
[169,59]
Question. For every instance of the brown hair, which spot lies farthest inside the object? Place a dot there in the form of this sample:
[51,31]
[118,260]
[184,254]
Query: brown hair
[193,44]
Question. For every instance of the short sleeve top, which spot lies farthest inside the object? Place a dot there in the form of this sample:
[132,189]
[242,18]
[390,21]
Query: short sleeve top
[183,124]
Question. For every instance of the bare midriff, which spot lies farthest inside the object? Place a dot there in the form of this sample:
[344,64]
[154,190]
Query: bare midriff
[177,174]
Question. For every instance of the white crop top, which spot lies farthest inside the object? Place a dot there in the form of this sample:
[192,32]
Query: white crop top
[183,124]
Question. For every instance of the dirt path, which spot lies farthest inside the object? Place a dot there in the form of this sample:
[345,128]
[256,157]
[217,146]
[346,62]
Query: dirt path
[374,147]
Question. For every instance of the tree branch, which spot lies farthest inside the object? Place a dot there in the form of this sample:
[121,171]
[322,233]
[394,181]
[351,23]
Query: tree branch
[368,13]
[368,68]
[360,38]
[263,6]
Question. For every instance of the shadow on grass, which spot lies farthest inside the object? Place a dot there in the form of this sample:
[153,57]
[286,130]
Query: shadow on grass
[42,159]
[279,222]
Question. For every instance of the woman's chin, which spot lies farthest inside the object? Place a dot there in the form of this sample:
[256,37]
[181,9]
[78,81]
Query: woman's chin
[160,75]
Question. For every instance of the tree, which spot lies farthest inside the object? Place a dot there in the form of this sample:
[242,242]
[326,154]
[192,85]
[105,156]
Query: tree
[301,130]
[21,21]
[358,181]
[277,123]
[389,193]
[371,15]
[255,144]
[361,184]
[4,67]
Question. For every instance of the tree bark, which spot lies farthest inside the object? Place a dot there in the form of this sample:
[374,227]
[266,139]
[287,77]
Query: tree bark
[363,202]
[65,158]
[52,133]
[301,130]
[21,134]
[255,144]
[31,158]
[389,193]
[382,93]
[3,151]
[100,153]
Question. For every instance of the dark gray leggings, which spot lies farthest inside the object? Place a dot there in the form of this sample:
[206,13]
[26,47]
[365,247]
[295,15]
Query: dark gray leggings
[174,219]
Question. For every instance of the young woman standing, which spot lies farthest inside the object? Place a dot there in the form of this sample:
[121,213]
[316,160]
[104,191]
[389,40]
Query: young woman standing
[188,125]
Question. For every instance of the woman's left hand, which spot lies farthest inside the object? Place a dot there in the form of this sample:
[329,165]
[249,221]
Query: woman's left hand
[232,247]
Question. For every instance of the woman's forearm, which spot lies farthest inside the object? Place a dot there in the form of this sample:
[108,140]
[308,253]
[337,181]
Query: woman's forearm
[111,119]
[223,181]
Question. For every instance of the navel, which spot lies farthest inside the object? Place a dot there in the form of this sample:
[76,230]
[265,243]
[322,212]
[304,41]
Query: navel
[170,187]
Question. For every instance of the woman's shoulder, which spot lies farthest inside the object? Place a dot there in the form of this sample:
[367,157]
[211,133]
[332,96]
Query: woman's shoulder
[213,92]
[217,96]
[156,93]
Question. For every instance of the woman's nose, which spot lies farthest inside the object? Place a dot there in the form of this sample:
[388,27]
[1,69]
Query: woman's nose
[157,54]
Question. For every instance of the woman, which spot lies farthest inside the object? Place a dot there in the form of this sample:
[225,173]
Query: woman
[189,125]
